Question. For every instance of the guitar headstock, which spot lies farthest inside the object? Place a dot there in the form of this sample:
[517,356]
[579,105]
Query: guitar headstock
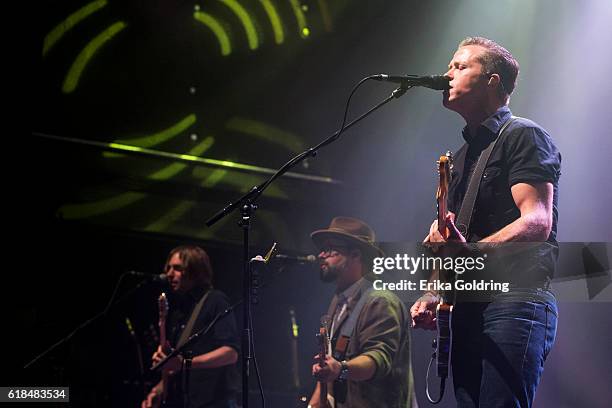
[323,338]
[163,306]
[445,166]
[323,326]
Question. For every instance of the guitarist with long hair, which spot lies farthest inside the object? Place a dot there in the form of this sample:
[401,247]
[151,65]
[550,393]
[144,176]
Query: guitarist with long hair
[213,379]
[504,190]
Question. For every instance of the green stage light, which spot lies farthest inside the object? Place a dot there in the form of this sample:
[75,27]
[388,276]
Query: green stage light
[217,29]
[326,15]
[246,21]
[86,210]
[277,26]
[79,64]
[241,182]
[163,136]
[62,28]
[207,162]
[214,178]
[266,132]
[98,207]
[119,146]
[301,18]
[175,168]
[170,216]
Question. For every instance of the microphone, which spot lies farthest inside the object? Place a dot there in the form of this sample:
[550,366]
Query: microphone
[437,82]
[297,258]
[155,278]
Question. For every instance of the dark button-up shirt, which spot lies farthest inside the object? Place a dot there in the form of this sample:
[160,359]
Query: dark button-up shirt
[212,385]
[526,154]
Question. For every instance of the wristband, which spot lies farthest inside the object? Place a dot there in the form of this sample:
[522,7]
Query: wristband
[343,371]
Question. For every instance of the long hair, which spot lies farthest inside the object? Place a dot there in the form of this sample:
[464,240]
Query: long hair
[198,269]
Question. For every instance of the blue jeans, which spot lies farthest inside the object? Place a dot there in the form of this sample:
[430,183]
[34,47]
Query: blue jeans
[499,348]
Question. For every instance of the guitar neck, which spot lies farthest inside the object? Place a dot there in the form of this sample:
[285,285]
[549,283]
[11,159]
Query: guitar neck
[323,344]
[444,170]
[163,313]
[162,333]
[322,355]
[442,211]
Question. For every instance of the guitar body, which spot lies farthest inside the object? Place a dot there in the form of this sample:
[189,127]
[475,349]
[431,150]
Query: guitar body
[444,313]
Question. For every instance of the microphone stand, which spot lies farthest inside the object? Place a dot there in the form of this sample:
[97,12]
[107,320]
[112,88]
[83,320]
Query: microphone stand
[90,320]
[247,206]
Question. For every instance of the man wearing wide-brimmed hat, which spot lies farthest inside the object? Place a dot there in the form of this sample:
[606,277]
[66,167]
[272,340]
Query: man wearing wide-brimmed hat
[373,370]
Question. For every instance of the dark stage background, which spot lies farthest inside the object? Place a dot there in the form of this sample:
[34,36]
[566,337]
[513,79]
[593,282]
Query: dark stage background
[149,116]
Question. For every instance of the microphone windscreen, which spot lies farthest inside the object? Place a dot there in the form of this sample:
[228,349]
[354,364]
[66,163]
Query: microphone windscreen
[440,82]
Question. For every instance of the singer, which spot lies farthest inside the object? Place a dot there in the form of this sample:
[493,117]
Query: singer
[499,344]
[373,368]
[214,379]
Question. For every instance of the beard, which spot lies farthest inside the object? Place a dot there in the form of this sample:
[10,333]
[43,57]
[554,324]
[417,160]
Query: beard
[331,272]
[328,275]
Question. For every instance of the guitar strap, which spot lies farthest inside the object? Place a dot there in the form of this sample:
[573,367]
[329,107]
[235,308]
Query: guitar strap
[464,218]
[340,387]
[349,325]
[194,315]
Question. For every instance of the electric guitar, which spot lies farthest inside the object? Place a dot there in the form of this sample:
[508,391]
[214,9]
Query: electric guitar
[445,307]
[163,343]
[443,340]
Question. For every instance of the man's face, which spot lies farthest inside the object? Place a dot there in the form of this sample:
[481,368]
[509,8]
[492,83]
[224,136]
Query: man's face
[468,83]
[333,259]
[175,271]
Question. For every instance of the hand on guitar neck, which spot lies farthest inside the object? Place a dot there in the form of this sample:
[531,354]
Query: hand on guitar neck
[324,365]
[329,371]
[444,230]
[325,375]
[173,365]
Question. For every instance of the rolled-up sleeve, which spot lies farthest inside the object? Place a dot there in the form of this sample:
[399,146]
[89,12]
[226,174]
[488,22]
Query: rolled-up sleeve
[380,331]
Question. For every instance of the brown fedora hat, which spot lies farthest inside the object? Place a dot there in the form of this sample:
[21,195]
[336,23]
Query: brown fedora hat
[351,230]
